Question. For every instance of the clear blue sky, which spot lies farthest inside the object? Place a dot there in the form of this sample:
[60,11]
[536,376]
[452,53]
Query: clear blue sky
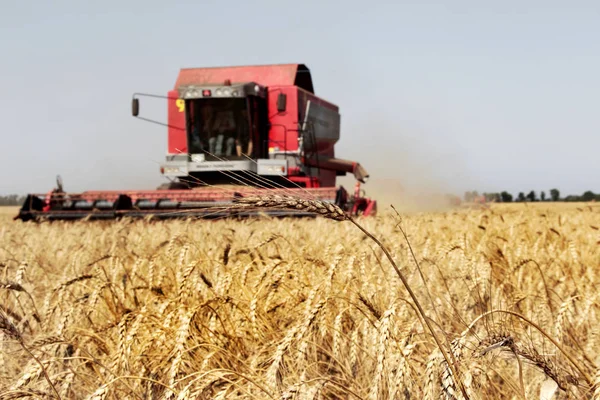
[456,96]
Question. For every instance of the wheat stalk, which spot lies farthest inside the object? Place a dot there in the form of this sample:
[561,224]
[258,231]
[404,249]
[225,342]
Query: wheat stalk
[384,334]
[332,211]
[251,297]
[596,387]
[322,208]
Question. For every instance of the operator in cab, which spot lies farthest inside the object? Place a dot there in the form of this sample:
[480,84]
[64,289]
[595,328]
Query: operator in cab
[243,135]
[224,130]
[201,129]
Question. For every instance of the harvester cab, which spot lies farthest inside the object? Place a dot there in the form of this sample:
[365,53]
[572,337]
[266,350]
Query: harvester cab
[254,127]
[215,129]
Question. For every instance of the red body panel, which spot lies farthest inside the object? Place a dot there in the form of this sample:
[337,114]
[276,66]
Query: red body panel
[266,75]
[177,140]
[283,135]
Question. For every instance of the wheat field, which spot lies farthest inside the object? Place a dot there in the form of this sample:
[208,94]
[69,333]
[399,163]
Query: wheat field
[305,309]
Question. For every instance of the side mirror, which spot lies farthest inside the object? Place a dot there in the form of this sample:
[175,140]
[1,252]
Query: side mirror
[135,107]
[281,102]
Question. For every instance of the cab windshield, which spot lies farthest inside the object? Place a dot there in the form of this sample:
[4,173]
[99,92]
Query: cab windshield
[219,128]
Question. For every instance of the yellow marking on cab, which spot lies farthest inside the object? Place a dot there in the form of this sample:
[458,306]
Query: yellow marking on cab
[180,103]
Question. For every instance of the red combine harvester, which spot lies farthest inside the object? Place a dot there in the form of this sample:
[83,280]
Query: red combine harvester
[232,132]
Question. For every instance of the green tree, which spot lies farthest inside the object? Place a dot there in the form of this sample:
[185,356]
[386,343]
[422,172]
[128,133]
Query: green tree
[588,196]
[531,196]
[554,194]
[521,197]
[506,197]
[543,196]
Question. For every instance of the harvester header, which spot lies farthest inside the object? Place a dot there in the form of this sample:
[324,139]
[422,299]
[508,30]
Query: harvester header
[231,130]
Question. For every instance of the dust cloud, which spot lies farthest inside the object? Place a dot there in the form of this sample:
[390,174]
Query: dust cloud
[411,167]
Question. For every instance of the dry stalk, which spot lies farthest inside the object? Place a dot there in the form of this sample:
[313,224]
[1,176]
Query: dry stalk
[580,368]
[322,208]
[332,211]
[249,299]
[596,387]
[417,304]
[9,329]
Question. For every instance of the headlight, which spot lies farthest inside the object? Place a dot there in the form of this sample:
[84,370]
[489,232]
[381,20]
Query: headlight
[219,92]
[174,170]
[198,158]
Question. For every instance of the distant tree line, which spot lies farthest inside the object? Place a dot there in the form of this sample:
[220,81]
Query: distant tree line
[553,195]
[11,200]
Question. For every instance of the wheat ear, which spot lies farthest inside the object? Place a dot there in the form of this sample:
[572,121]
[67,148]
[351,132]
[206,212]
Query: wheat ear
[332,211]
[322,208]
[596,395]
